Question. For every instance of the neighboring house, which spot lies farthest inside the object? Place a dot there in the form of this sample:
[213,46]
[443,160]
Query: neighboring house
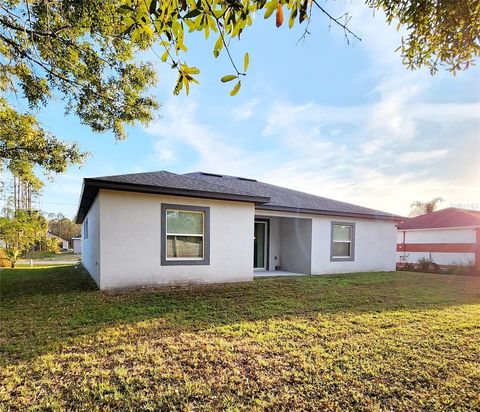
[77,244]
[447,237]
[62,243]
[163,228]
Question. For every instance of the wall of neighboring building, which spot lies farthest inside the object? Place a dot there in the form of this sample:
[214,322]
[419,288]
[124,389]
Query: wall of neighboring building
[62,243]
[446,246]
[375,242]
[131,241]
[91,245]
[77,245]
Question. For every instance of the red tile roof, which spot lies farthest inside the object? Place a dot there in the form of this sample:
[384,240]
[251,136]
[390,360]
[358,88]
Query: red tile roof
[450,217]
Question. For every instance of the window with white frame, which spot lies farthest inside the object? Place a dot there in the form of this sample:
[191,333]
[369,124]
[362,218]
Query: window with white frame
[185,235]
[343,241]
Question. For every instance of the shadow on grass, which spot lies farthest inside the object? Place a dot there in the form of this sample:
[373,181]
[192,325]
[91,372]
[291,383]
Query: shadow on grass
[41,308]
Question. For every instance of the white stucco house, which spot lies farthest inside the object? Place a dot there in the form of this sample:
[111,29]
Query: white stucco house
[446,237]
[162,228]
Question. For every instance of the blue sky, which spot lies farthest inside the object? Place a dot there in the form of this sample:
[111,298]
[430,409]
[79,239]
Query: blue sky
[345,121]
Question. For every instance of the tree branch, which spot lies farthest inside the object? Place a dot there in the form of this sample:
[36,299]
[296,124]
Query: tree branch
[337,21]
[220,28]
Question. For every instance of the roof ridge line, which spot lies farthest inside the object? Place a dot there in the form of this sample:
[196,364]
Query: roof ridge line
[240,192]
[309,194]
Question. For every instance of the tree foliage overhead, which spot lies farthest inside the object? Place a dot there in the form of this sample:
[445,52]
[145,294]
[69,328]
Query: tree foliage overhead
[86,53]
[439,32]
[76,49]
[23,144]
[73,50]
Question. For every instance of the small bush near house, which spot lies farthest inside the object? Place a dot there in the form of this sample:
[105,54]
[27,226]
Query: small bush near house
[427,265]
[460,269]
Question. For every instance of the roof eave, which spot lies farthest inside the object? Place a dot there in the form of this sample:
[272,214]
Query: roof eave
[475,226]
[392,218]
[93,185]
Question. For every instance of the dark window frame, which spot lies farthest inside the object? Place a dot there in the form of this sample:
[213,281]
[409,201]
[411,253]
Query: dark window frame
[350,258]
[267,241]
[164,261]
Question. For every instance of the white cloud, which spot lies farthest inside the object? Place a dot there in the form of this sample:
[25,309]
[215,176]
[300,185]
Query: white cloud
[305,156]
[423,157]
[165,151]
[245,111]
[180,127]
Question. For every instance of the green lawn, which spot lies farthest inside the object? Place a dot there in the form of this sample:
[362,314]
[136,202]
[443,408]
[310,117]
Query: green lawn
[48,259]
[374,341]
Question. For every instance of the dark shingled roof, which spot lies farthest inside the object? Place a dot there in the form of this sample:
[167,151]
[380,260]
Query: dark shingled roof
[450,217]
[161,182]
[172,180]
[215,186]
[282,198]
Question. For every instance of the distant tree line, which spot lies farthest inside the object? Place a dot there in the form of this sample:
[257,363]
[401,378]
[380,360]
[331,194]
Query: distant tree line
[61,226]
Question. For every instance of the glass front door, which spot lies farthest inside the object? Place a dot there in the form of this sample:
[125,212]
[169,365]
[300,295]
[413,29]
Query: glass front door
[260,246]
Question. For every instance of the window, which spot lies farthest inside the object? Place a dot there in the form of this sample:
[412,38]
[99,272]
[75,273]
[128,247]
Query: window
[343,241]
[185,235]
[85,229]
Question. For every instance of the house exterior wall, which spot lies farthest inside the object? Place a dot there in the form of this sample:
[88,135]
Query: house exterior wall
[274,251]
[296,245]
[374,246]
[375,242]
[131,241]
[444,246]
[91,246]
[290,243]
[124,250]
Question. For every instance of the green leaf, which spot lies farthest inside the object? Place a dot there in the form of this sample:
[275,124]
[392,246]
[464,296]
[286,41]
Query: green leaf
[218,46]
[190,70]
[236,88]
[178,86]
[303,11]
[291,20]
[270,8]
[153,6]
[228,78]
[124,9]
[246,61]
[192,13]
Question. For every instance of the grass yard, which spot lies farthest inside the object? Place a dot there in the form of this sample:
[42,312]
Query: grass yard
[373,341]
